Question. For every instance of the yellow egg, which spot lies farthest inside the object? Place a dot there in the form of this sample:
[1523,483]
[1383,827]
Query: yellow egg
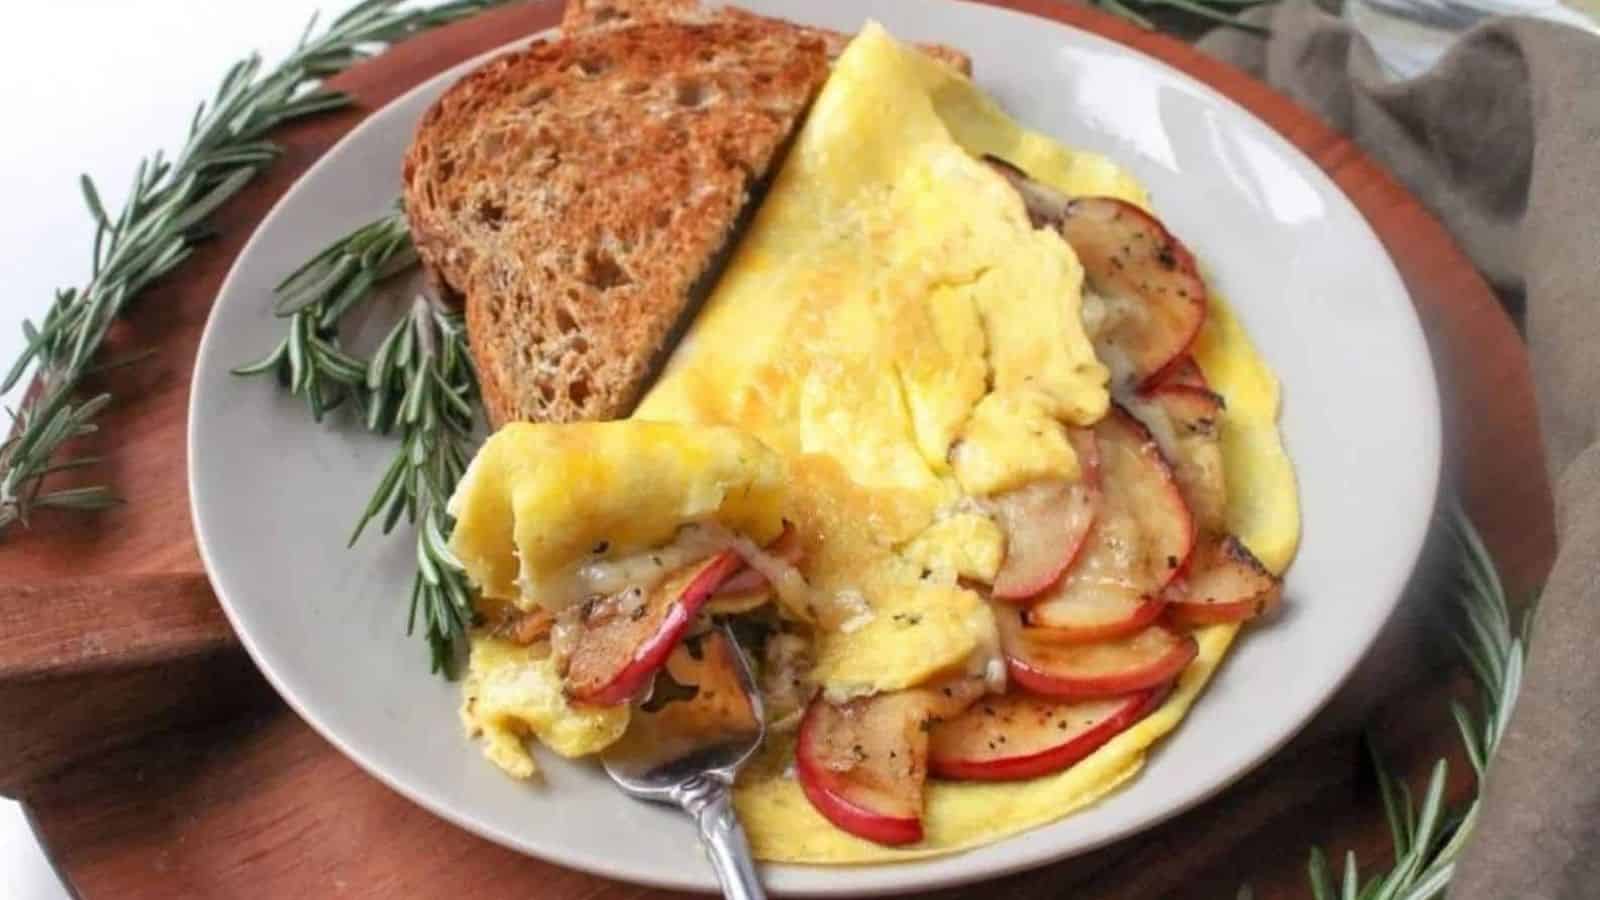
[538,498]
[511,692]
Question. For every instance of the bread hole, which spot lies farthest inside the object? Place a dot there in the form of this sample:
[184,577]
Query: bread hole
[635,88]
[537,95]
[706,54]
[565,323]
[602,271]
[491,214]
[608,14]
[593,65]
[579,345]
[578,391]
[689,93]
[446,169]
[547,393]
[663,217]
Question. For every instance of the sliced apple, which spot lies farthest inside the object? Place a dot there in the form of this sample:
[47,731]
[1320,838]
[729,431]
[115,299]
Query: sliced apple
[748,589]
[1226,583]
[1085,616]
[863,764]
[621,640]
[1045,524]
[1184,371]
[1155,300]
[1017,736]
[1140,541]
[1186,421]
[1104,669]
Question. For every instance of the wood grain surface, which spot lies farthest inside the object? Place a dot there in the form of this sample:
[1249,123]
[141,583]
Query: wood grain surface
[156,763]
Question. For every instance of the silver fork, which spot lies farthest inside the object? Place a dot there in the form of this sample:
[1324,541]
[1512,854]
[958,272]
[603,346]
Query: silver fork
[701,783]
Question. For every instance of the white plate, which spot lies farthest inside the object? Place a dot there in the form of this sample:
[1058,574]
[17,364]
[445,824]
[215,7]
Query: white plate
[275,495]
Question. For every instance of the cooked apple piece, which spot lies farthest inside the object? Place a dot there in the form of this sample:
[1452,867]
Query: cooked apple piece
[1225,583]
[1186,421]
[621,640]
[1184,371]
[1045,524]
[1155,299]
[748,589]
[697,701]
[1017,736]
[1140,541]
[1086,616]
[1104,669]
[862,764]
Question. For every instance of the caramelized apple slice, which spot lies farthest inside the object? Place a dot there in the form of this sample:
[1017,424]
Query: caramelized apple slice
[787,546]
[1155,301]
[698,699]
[1186,421]
[623,639]
[1084,616]
[1139,542]
[1045,524]
[1183,372]
[863,764]
[1105,669]
[1225,583]
[1019,736]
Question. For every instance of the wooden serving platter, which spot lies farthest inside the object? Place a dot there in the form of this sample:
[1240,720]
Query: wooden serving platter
[156,762]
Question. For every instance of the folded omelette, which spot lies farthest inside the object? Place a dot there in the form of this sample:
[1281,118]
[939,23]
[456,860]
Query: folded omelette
[890,302]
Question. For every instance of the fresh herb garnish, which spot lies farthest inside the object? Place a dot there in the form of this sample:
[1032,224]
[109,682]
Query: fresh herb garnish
[158,226]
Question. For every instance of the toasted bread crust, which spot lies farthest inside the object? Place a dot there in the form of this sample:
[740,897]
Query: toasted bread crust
[577,192]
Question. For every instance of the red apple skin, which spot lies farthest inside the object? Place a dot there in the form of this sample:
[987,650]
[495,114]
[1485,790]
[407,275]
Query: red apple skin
[1145,611]
[1073,744]
[1227,584]
[787,546]
[1134,663]
[1064,517]
[828,793]
[631,679]
[1184,372]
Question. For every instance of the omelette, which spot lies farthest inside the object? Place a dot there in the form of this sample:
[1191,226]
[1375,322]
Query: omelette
[902,361]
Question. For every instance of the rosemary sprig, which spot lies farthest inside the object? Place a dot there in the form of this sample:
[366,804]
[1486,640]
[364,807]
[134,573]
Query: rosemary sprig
[422,380]
[419,382]
[1428,840]
[157,227]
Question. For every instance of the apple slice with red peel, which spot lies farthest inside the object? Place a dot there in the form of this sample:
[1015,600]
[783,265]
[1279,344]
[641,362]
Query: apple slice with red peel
[1184,372]
[1140,541]
[1045,524]
[863,764]
[1104,669]
[1226,583]
[623,639]
[787,546]
[1105,613]
[1018,736]
[1155,298]
[1186,421]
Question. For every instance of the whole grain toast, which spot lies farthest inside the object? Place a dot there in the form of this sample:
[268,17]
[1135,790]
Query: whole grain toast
[579,193]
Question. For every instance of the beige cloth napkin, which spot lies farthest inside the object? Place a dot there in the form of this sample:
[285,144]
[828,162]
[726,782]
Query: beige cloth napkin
[1501,140]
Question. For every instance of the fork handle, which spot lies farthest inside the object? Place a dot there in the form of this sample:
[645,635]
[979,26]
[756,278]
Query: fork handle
[710,801]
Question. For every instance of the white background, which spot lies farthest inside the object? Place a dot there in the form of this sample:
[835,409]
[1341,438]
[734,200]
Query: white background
[90,86]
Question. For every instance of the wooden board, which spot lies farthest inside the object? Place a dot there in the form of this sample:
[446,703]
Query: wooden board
[156,763]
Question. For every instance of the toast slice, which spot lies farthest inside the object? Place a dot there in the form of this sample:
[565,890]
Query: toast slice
[580,194]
